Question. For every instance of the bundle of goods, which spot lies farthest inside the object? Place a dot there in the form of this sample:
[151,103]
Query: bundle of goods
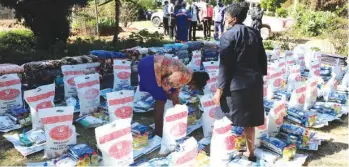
[301,137]
[136,53]
[106,59]
[183,55]
[239,134]
[10,69]
[143,101]
[176,46]
[141,135]
[79,151]
[188,96]
[280,94]
[94,119]
[329,108]
[195,45]
[287,151]
[7,124]
[20,116]
[42,72]
[303,118]
[325,73]
[330,59]
[210,54]
[160,50]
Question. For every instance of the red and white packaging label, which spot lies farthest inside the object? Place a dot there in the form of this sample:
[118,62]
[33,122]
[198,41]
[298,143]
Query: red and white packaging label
[122,73]
[175,127]
[114,140]
[314,69]
[195,62]
[186,156]
[222,142]
[69,73]
[276,117]
[39,98]
[88,88]
[10,92]
[59,130]
[274,79]
[212,83]
[120,105]
[211,113]
[311,94]
[211,66]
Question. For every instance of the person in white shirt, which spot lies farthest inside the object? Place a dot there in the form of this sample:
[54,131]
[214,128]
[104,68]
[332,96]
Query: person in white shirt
[165,18]
[172,19]
[194,11]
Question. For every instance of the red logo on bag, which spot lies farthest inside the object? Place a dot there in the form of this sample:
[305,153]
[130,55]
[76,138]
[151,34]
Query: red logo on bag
[265,91]
[179,129]
[188,156]
[62,132]
[71,82]
[213,88]
[120,149]
[91,94]
[197,62]
[277,82]
[124,112]
[9,94]
[223,130]
[280,119]
[264,126]
[301,100]
[124,75]
[229,142]
[42,105]
[212,112]
[298,78]
[317,72]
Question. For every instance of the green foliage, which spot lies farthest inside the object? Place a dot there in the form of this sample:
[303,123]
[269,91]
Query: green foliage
[314,23]
[282,12]
[47,19]
[271,5]
[17,40]
[147,4]
[268,45]
[144,36]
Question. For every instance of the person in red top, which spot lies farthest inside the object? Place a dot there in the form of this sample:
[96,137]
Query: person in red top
[206,15]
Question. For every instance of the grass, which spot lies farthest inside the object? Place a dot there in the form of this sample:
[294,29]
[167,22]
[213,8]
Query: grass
[330,153]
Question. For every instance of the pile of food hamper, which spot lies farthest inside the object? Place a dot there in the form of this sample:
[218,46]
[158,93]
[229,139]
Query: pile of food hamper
[304,89]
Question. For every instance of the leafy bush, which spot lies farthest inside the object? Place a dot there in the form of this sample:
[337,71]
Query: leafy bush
[282,12]
[314,23]
[144,36]
[268,45]
[147,4]
[17,40]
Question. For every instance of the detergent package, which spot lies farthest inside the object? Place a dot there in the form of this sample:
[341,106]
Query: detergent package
[10,93]
[114,140]
[175,127]
[122,73]
[311,94]
[69,73]
[195,62]
[298,97]
[39,98]
[294,78]
[120,105]
[211,113]
[261,131]
[186,155]
[88,88]
[276,117]
[59,130]
[222,143]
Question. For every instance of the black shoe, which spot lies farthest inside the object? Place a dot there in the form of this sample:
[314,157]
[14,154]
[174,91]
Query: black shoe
[252,159]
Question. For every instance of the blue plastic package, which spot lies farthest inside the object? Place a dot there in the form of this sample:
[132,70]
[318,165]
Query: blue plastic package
[79,150]
[292,129]
[273,144]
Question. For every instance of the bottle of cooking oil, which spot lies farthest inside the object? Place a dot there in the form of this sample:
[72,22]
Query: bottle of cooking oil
[86,160]
[94,159]
[80,162]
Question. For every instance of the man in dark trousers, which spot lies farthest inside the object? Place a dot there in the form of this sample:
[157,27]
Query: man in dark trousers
[206,15]
[257,15]
[172,19]
[165,18]
[194,11]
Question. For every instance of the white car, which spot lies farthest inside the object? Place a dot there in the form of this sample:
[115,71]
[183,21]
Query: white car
[157,19]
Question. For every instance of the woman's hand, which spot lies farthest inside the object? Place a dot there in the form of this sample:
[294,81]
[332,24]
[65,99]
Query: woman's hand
[217,97]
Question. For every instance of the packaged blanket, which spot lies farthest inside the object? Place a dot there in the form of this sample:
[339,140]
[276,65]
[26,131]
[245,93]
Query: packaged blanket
[39,98]
[88,88]
[10,93]
[59,130]
[114,140]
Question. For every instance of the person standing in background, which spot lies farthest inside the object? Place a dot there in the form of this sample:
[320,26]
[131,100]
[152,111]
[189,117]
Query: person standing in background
[172,19]
[194,11]
[206,15]
[165,18]
[257,15]
[218,18]
[183,20]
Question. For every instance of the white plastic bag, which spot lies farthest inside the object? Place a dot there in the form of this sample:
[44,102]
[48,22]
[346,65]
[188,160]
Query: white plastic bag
[114,140]
[294,78]
[276,117]
[329,87]
[122,73]
[222,143]
[212,83]
[274,80]
[120,105]
[338,70]
[345,80]
[186,156]
[314,70]
[298,97]
[277,52]
[211,113]
[69,73]
[88,88]
[39,98]
[10,93]
[260,131]
[311,94]
[59,130]
[174,128]
[195,62]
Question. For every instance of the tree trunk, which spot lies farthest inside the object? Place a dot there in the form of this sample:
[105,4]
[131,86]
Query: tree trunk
[117,16]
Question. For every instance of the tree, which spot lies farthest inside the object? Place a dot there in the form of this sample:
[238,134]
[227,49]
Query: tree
[117,16]
[271,5]
[48,19]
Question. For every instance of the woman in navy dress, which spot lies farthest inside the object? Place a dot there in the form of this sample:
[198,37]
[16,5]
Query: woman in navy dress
[242,66]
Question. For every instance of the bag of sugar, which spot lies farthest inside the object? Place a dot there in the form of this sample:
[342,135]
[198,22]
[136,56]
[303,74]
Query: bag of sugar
[88,88]
[114,140]
[211,113]
[311,94]
[59,130]
[276,117]
[69,73]
[186,155]
[120,105]
[298,96]
[195,62]
[122,73]
[39,98]
[10,93]
[174,128]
